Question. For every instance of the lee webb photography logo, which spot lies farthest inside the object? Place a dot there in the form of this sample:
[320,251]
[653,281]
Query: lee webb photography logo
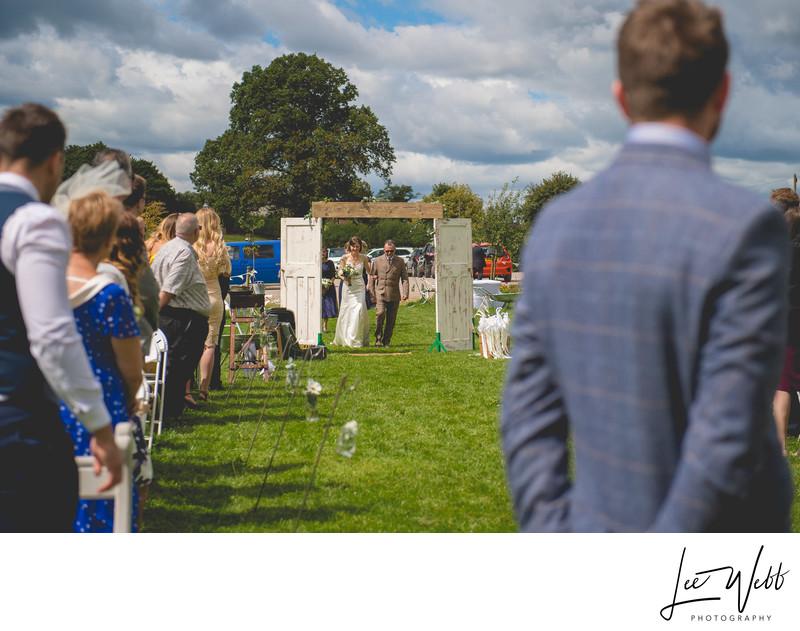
[722,592]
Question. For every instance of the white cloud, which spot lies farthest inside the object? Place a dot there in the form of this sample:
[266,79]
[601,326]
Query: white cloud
[176,166]
[495,91]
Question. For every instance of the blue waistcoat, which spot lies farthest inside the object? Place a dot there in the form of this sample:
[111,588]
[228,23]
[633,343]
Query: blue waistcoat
[19,374]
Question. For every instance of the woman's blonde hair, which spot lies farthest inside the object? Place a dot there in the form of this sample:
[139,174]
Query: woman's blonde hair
[210,232]
[94,219]
[165,232]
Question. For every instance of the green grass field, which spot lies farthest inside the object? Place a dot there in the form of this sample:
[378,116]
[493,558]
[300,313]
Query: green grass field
[428,457]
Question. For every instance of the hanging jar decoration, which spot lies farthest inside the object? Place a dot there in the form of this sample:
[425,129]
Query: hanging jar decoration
[313,390]
[292,376]
[346,443]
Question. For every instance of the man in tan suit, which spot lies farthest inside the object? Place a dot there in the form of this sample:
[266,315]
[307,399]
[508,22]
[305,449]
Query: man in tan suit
[388,273]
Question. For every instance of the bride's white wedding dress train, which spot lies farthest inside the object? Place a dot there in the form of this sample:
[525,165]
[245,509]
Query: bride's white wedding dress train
[352,327]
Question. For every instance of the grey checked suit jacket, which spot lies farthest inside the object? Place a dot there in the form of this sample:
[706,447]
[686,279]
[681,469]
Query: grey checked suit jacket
[651,328]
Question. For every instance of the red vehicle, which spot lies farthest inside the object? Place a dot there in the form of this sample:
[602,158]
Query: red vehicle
[502,266]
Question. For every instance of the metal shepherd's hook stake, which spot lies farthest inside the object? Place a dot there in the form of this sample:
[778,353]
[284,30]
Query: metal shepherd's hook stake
[286,417]
[322,444]
[249,387]
[280,432]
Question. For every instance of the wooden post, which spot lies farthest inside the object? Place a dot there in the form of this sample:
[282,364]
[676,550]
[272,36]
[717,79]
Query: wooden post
[382,210]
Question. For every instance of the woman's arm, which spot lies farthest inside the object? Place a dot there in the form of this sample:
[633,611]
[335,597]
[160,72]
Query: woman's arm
[128,356]
[342,263]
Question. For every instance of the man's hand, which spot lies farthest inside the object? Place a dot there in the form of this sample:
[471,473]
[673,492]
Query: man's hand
[106,453]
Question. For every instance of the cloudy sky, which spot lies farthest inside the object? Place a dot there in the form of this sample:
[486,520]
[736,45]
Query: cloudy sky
[473,91]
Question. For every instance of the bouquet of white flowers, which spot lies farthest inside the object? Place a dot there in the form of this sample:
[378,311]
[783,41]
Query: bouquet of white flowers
[313,390]
[348,271]
[327,283]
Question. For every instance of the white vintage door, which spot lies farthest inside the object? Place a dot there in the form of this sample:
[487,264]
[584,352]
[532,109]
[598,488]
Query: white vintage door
[453,241]
[301,270]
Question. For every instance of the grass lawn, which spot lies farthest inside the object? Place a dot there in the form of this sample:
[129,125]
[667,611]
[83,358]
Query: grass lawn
[428,457]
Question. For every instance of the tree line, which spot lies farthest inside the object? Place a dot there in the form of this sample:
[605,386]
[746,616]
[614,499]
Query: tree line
[296,135]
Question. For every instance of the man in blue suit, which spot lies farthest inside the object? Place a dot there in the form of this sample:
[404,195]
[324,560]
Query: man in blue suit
[652,321]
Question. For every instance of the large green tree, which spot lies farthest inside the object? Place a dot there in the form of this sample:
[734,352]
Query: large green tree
[295,136]
[458,200]
[158,187]
[537,195]
[503,223]
[399,193]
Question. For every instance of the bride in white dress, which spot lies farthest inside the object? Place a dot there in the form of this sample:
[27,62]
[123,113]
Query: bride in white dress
[352,327]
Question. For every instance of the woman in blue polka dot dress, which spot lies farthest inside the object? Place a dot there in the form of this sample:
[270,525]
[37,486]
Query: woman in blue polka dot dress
[105,319]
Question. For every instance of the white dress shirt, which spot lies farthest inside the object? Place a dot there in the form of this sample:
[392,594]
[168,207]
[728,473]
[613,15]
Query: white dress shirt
[35,246]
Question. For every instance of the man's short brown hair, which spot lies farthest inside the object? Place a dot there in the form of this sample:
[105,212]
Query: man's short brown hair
[671,56]
[138,190]
[31,131]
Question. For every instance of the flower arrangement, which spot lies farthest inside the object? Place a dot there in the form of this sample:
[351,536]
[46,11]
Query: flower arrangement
[348,271]
[313,390]
[494,334]
[327,283]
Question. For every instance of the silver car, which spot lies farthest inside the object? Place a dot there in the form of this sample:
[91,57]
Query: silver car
[403,252]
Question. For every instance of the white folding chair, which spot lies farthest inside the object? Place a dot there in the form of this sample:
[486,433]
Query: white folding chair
[155,380]
[122,493]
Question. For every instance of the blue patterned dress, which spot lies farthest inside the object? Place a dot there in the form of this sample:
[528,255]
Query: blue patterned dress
[108,314]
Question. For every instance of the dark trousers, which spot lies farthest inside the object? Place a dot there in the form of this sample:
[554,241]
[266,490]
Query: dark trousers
[186,332]
[38,476]
[385,317]
[477,272]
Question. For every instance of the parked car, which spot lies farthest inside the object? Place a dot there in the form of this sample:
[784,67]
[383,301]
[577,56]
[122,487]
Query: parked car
[427,261]
[264,257]
[503,265]
[335,255]
[403,252]
[415,268]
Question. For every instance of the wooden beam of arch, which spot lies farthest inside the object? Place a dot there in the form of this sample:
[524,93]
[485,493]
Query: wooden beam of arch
[381,210]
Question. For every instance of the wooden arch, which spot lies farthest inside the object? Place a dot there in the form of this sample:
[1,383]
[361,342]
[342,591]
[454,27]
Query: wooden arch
[301,264]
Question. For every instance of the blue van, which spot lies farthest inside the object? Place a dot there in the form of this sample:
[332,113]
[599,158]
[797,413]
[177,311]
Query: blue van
[263,256]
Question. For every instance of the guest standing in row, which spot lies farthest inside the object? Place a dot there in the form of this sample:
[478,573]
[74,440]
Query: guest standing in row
[163,234]
[184,311]
[330,306]
[38,476]
[104,314]
[214,262]
[655,350]
[478,261]
[148,288]
[126,259]
[788,201]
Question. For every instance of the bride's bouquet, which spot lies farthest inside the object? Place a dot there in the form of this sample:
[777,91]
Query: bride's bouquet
[348,271]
